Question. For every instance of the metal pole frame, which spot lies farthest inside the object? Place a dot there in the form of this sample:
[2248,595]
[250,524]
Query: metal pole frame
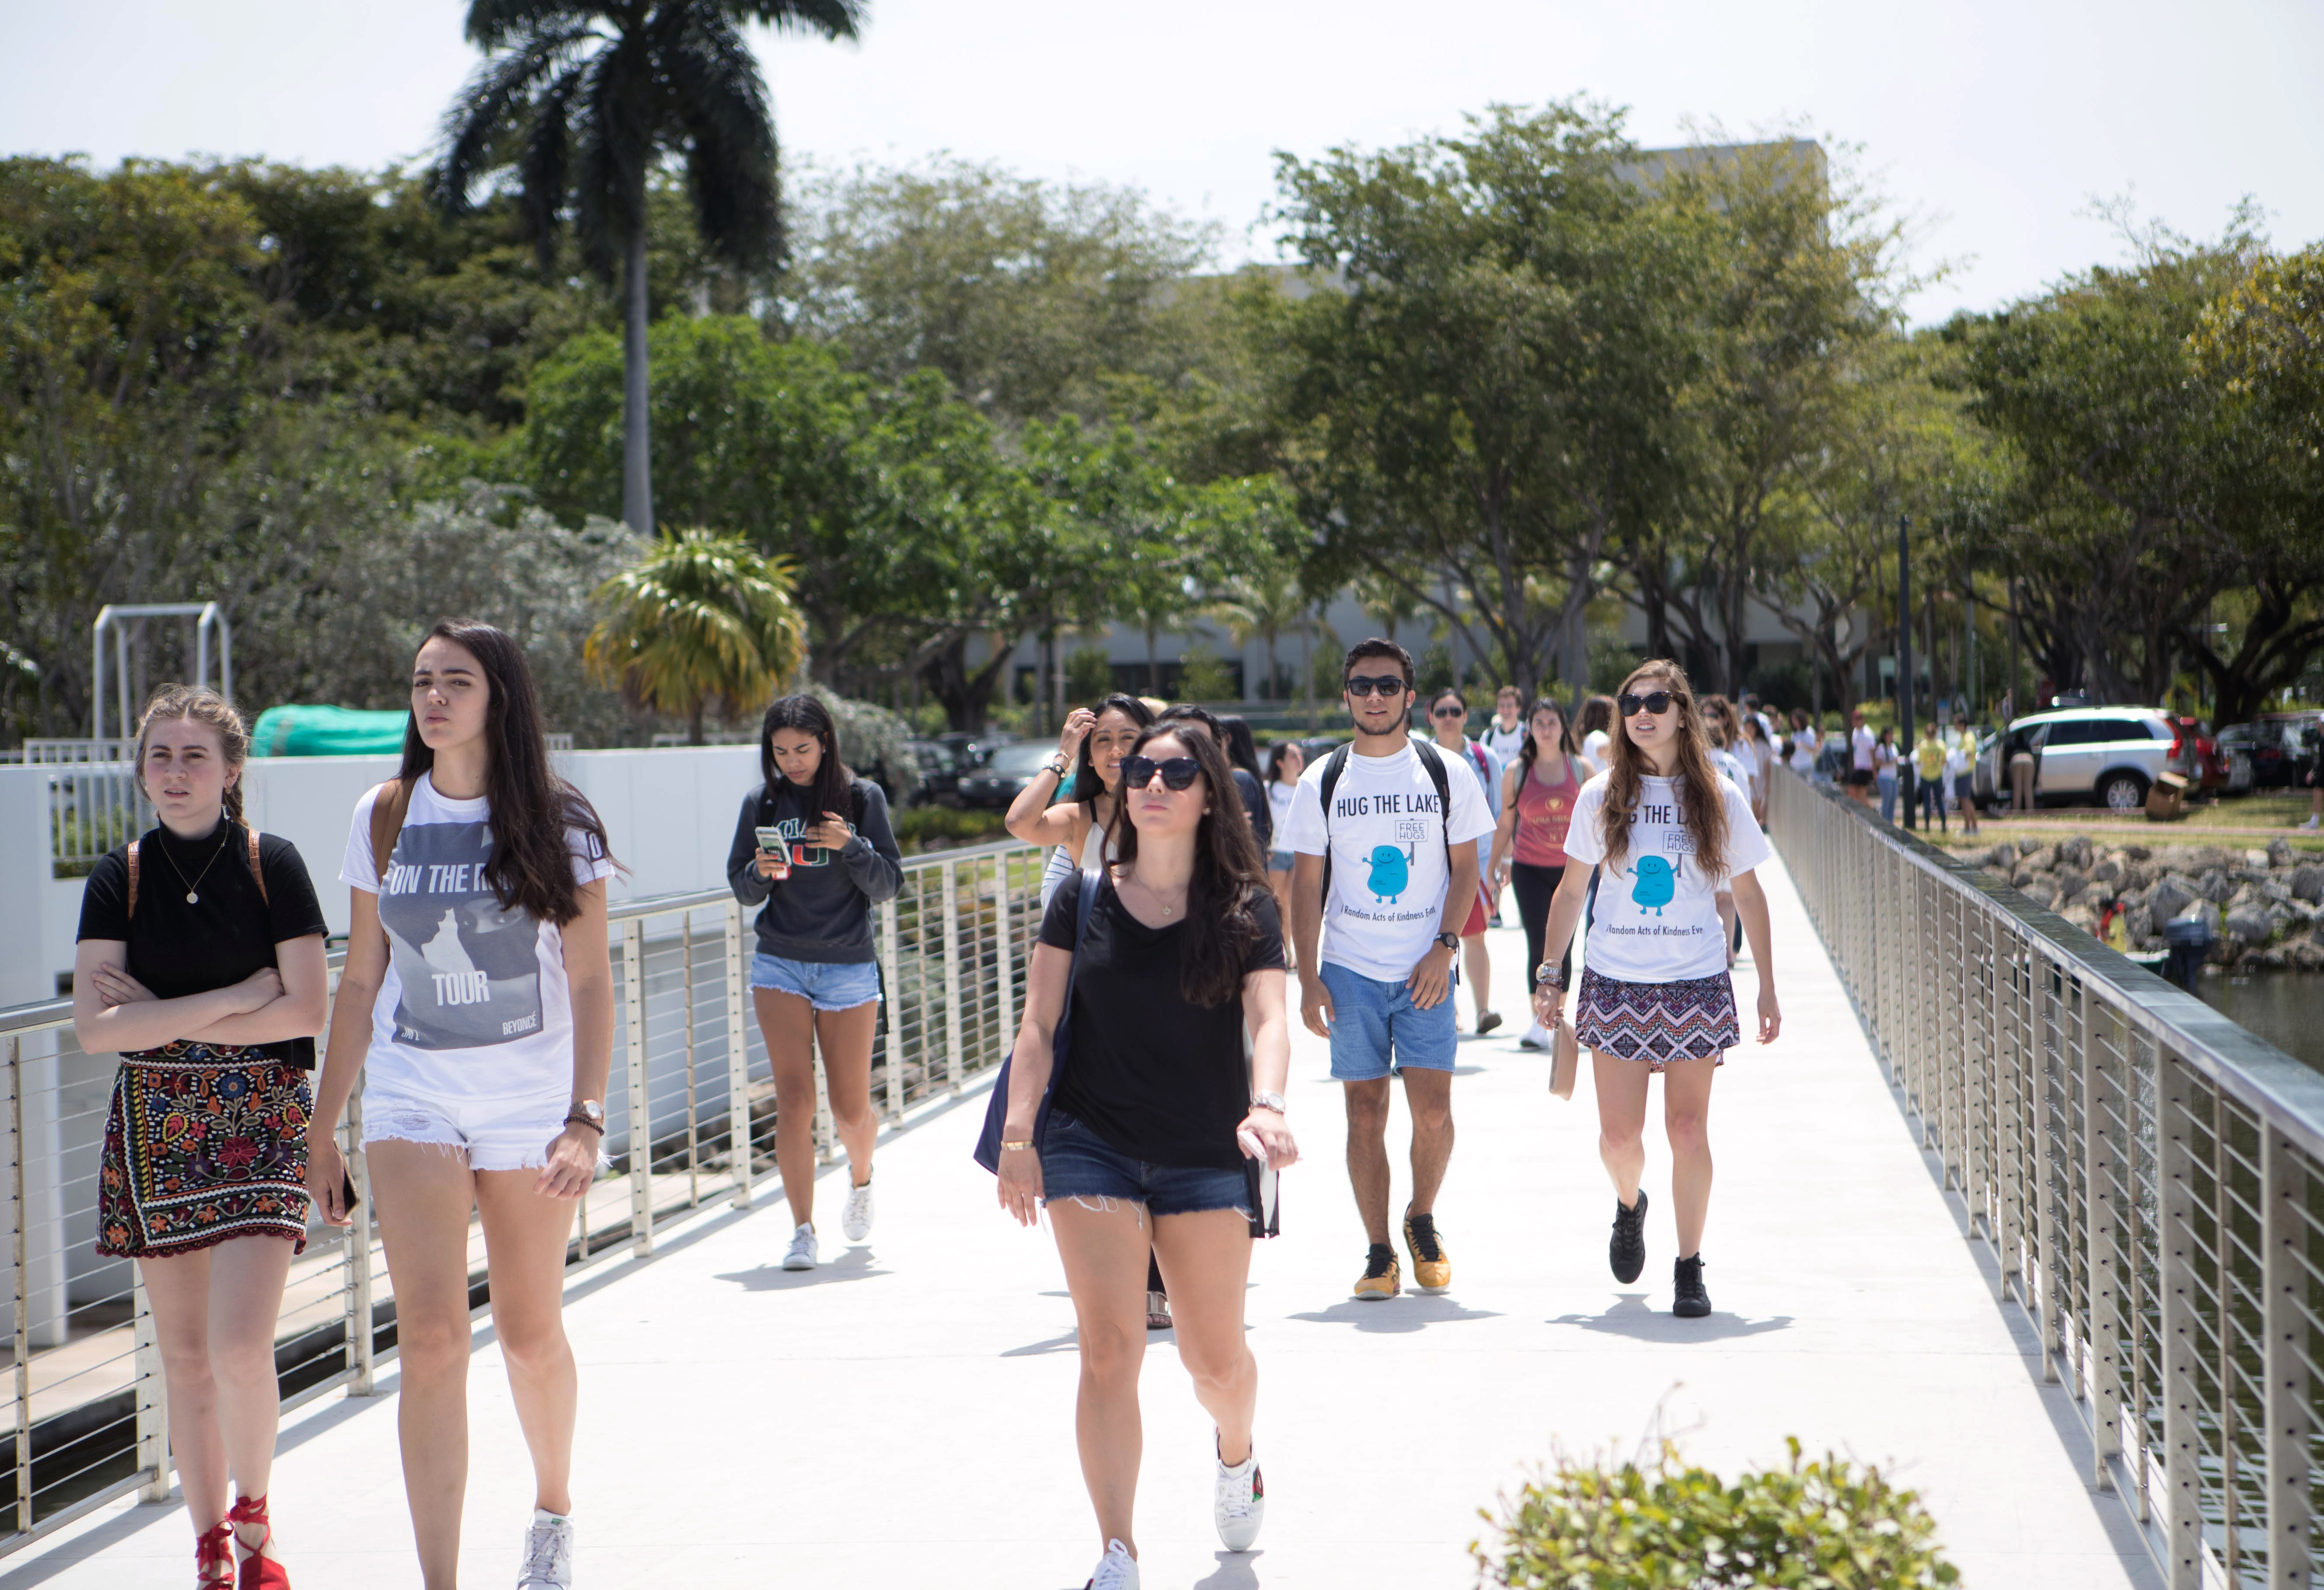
[207,616]
[738,1058]
[633,1012]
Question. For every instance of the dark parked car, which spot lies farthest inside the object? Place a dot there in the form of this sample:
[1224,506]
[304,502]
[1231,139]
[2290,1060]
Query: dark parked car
[2273,744]
[1005,773]
[940,769]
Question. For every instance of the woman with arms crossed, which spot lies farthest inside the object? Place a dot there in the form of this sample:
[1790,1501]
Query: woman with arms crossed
[1656,996]
[1143,1151]
[815,977]
[478,997]
[201,964]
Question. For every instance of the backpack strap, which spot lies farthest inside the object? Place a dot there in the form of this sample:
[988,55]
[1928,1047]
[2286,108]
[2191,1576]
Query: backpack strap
[133,879]
[1436,776]
[257,870]
[1333,766]
[390,802]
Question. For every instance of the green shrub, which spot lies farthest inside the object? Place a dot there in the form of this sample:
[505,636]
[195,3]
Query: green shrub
[915,826]
[1204,677]
[1667,1526]
[1089,677]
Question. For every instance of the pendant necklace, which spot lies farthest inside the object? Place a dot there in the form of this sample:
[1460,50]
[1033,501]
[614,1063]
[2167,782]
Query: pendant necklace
[192,896]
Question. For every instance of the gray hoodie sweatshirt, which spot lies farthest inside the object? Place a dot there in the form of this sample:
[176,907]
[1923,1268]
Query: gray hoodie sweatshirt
[822,911]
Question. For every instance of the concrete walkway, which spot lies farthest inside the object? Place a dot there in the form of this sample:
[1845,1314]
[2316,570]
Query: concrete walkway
[904,1416]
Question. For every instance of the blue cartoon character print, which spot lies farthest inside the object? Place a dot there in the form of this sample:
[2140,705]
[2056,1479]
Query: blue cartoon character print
[1656,884]
[1391,873]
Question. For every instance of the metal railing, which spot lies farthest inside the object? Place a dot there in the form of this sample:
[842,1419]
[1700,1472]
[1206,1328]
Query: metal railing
[2150,1175]
[84,1419]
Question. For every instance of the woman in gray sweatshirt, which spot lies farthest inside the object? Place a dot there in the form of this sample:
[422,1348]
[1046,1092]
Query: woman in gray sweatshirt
[813,843]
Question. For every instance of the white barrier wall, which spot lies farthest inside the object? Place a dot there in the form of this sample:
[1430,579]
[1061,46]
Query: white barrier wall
[670,814]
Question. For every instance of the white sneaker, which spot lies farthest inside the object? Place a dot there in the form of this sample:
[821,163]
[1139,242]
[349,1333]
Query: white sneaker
[857,1221]
[801,1255]
[2309,827]
[548,1553]
[1239,1503]
[1537,1037]
[1116,1571]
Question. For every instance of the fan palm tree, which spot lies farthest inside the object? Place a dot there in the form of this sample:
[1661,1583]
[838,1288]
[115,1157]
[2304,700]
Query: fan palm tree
[700,617]
[583,97]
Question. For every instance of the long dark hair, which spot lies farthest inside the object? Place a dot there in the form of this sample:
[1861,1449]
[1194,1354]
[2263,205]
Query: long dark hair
[1702,808]
[1087,784]
[1597,713]
[533,811]
[1230,879]
[834,785]
[1274,758]
[1565,740]
[1241,748]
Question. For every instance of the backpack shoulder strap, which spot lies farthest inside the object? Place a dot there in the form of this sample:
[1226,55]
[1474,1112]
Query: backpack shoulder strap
[1436,766]
[390,802]
[1333,766]
[133,878]
[257,870]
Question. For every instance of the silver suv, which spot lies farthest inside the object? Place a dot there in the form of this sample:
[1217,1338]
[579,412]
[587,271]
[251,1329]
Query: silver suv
[2106,754]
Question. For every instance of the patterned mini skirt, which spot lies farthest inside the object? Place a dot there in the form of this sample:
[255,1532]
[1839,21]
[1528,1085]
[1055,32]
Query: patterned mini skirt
[203,1143]
[1657,1023]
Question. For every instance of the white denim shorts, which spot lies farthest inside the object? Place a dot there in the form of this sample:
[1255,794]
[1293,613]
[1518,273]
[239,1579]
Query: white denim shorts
[485,1135]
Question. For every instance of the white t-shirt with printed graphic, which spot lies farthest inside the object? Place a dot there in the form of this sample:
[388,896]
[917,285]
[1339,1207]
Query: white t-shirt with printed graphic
[475,1004]
[1655,919]
[1388,866]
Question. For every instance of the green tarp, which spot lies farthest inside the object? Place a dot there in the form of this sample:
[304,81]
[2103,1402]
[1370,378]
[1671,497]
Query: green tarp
[326,730]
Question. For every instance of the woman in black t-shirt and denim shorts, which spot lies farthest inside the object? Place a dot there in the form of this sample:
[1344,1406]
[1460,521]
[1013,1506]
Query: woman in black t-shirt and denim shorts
[201,964]
[1145,1146]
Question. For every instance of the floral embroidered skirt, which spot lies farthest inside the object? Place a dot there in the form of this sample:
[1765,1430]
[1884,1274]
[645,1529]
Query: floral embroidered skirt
[202,1144]
[1657,1023]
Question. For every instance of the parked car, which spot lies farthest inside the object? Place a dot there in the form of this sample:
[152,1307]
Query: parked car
[940,769]
[1005,773]
[2273,744]
[2107,755]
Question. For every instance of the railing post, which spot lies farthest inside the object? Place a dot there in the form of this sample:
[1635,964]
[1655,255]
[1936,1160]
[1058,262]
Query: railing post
[693,1113]
[633,1016]
[1006,960]
[2283,1280]
[2048,1318]
[952,1035]
[362,1349]
[2102,1339]
[738,1056]
[825,1139]
[22,1254]
[152,1404]
[2181,1346]
[892,982]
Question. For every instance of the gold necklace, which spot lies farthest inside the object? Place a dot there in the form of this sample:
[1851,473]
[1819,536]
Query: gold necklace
[1155,895]
[193,895]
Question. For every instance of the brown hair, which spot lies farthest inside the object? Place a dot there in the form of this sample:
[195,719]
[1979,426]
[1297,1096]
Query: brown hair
[1597,713]
[1702,808]
[199,704]
[1230,879]
[1566,742]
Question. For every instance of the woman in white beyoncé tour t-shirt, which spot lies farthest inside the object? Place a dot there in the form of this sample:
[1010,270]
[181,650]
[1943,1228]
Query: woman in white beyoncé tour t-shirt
[478,998]
[1668,834]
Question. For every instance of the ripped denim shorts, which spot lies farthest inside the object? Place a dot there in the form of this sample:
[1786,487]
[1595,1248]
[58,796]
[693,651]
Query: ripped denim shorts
[1077,1163]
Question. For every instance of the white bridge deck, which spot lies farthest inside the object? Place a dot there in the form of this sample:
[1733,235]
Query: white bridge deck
[904,1416]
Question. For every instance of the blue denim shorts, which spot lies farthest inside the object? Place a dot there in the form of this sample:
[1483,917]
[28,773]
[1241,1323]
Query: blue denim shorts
[1278,861]
[827,986]
[1376,1028]
[1077,1163]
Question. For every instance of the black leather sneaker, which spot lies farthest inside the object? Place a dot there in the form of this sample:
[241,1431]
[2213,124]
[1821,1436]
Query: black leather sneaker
[1627,1252]
[1688,1299]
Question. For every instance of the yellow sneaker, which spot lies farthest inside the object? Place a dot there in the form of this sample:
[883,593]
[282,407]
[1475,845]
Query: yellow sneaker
[1381,1279]
[1432,1266]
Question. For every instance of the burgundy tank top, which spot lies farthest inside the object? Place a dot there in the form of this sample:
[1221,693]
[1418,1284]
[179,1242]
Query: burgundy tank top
[1544,809]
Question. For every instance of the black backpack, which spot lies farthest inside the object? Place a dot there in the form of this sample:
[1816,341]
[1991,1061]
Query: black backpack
[1338,764]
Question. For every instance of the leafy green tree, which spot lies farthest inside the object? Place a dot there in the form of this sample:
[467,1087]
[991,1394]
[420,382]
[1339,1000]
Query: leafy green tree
[582,98]
[700,618]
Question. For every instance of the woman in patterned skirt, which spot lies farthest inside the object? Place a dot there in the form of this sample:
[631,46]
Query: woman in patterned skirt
[1670,835]
[201,965]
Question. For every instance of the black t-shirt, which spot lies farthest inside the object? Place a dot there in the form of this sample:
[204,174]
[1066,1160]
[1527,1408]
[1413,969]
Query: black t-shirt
[178,950]
[1157,1077]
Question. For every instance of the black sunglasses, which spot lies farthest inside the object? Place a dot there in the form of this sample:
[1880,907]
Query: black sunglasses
[1177,772]
[1450,712]
[1654,701]
[1365,685]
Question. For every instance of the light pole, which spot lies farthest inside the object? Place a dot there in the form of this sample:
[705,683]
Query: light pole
[1904,662]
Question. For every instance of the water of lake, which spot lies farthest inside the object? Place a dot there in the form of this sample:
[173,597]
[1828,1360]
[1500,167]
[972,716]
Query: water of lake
[2286,1008]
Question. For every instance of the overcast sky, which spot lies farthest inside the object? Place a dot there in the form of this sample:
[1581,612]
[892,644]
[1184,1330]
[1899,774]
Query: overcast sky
[1995,122]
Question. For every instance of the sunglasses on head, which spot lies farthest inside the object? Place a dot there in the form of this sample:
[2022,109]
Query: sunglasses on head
[1362,684]
[1177,772]
[1654,701]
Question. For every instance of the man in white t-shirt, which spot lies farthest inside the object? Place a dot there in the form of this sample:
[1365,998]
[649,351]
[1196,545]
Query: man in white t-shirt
[1386,878]
[1504,732]
[1862,773]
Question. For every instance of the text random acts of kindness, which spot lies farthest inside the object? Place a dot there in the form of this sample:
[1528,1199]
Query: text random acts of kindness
[469,969]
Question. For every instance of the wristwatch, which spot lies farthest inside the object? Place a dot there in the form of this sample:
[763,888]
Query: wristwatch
[1449,940]
[1548,976]
[586,1112]
[1269,1101]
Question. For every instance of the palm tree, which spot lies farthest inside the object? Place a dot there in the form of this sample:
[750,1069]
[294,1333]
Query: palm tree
[700,618]
[583,97]
[1266,603]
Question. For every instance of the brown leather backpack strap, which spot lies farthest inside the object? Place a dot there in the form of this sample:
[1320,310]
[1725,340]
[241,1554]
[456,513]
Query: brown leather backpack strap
[257,869]
[388,803]
[133,879]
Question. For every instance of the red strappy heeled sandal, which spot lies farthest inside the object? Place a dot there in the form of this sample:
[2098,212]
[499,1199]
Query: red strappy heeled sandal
[214,1557]
[258,1573]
